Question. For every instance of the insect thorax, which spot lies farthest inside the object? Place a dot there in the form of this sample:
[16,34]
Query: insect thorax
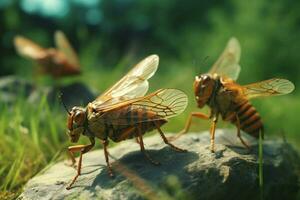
[222,99]
[213,99]
[95,123]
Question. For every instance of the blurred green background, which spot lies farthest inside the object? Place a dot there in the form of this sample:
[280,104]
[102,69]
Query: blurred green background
[111,36]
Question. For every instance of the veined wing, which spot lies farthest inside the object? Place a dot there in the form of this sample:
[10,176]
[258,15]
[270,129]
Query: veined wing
[162,104]
[271,87]
[133,84]
[64,46]
[228,63]
[27,48]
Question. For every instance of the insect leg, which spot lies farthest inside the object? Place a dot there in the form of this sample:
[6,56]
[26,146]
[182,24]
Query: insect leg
[72,150]
[77,148]
[238,126]
[212,133]
[141,143]
[137,140]
[188,123]
[83,149]
[105,144]
[166,140]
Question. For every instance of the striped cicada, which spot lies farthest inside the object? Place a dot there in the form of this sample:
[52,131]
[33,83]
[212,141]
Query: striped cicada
[123,112]
[225,97]
[57,62]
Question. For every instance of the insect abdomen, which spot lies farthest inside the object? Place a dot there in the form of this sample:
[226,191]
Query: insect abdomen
[130,122]
[250,121]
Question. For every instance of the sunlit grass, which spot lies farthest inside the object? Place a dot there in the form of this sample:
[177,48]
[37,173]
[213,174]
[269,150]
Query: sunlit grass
[31,135]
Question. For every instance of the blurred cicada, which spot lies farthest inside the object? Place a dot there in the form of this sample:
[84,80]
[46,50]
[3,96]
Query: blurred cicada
[225,97]
[58,62]
[123,112]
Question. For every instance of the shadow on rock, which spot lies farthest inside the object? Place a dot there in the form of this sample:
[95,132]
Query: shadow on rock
[136,164]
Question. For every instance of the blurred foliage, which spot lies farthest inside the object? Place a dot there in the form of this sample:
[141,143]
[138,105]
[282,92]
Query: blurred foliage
[184,31]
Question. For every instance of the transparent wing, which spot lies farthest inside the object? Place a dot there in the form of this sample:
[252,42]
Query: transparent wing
[162,104]
[271,87]
[228,63]
[64,46]
[133,84]
[28,49]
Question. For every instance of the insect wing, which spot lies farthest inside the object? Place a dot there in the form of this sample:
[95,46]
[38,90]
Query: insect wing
[162,104]
[228,63]
[64,46]
[271,87]
[27,48]
[133,84]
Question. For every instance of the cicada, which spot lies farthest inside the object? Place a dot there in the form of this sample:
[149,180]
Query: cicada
[226,98]
[123,112]
[57,62]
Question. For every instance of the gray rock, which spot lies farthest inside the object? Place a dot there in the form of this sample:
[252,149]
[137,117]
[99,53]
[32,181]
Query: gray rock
[12,87]
[74,94]
[229,173]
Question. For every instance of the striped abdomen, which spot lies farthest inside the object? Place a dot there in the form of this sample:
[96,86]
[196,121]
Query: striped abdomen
[250,121]
[128,122]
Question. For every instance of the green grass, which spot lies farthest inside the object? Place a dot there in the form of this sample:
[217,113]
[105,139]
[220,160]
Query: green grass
[260,163]
[33,135]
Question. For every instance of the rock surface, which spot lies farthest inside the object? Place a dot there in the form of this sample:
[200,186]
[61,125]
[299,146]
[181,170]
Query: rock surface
[229,173]
[11,87]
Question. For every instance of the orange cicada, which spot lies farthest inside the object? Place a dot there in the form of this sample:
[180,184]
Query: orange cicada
[225,97]
[59,62]
[123,112]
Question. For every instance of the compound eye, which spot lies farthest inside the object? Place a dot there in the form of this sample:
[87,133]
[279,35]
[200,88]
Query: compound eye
[205,78]
[79,117]
[70,122]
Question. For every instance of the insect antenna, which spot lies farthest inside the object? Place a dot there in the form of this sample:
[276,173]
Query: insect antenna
[205,60]
[63,103]
[195,64]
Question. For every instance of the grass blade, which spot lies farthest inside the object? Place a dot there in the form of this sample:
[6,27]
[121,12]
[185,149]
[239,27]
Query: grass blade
[260,170]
